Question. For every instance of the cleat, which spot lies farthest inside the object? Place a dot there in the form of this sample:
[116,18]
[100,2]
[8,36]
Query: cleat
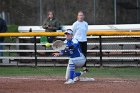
[76,79]
[82,72]
[70,81]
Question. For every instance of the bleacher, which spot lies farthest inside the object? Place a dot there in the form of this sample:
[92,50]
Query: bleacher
[114,48]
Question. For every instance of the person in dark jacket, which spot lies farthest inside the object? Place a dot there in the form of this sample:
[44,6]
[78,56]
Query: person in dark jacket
[51,24]
[3,29]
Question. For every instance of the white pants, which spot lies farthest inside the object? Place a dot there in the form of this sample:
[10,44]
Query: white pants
[78,62]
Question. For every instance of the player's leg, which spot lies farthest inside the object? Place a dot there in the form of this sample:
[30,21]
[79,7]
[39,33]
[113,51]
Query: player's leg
[70,72]
[67,73]
[78,62]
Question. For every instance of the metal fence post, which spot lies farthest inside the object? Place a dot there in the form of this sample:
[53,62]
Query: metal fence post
[101,55]
[115,12]
[35,49]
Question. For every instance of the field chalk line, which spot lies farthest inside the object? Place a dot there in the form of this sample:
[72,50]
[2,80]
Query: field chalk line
[29,78]
[49,79]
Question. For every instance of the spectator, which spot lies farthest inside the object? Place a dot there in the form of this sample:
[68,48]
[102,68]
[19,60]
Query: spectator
[80,28]
[51,24]
[3,29]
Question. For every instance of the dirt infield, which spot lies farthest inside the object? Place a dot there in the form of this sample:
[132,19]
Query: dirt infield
[53,85]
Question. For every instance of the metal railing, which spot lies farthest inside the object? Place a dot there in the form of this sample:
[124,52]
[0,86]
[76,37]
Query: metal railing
[102,53]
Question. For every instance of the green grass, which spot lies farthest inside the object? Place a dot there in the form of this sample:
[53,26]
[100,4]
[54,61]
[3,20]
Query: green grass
[129,73]
[117,72]
[31,71]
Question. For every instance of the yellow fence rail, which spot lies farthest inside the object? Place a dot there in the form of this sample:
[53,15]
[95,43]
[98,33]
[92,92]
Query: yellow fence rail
[95,33]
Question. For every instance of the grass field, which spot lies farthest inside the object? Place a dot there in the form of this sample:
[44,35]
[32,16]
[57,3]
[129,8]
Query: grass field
[128,73]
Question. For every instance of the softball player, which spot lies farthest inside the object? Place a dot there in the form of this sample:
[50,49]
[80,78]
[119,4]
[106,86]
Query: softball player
[77,59]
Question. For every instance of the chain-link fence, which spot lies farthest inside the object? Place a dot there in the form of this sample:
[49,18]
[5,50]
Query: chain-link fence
[34,12]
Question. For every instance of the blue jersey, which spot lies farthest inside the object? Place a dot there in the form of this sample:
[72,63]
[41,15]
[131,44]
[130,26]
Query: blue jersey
[73,48]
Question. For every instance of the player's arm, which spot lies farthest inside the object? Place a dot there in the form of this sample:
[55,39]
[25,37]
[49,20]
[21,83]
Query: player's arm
[56,54]
[62,52]
[74,45]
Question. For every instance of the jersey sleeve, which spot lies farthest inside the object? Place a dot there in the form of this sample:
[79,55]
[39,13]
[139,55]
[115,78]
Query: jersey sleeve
[62,52]
[75,43]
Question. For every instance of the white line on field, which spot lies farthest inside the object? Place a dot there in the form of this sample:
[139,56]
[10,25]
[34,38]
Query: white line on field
[29,78]
[49,79]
